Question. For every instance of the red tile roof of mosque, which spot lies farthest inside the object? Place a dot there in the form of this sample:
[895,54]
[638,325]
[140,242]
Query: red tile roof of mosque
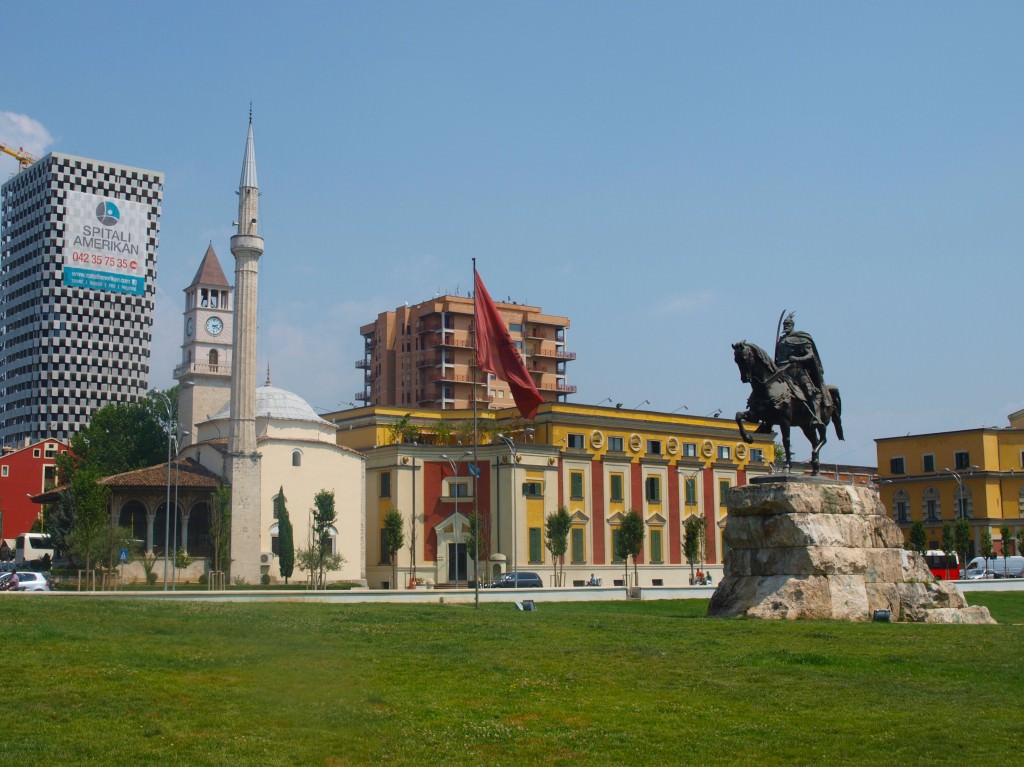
[188,474]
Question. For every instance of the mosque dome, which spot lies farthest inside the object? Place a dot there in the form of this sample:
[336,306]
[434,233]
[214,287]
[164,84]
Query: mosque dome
[277,404]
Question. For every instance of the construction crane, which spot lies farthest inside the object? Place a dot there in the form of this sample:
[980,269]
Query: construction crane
[24,158]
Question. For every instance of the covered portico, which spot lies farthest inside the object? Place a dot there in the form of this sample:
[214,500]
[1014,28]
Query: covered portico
[139,501]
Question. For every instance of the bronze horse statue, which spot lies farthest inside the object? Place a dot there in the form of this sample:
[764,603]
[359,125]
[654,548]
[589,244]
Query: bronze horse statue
[774,401]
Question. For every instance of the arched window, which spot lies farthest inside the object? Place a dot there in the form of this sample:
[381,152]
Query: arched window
[214,358]
[296,457]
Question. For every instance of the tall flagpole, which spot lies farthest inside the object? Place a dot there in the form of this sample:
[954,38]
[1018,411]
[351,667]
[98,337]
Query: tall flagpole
[476,463]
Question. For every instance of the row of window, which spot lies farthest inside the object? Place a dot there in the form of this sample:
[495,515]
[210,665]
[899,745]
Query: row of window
[961,460]
[535,488]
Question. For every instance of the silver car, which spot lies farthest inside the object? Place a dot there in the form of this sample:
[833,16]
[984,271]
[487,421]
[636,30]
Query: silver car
[27,581]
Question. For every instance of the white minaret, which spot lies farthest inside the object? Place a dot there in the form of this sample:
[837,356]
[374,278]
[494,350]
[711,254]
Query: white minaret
[246,247]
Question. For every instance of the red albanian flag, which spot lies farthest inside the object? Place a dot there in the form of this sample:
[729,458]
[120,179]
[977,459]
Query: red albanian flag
[497,354]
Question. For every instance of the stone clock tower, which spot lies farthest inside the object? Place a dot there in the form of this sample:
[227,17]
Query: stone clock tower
[205,371]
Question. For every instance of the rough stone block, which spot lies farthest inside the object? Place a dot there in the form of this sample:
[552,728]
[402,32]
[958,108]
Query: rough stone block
[816,549]
[849,597]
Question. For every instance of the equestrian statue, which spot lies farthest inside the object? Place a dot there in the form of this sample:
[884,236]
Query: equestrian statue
[789,390]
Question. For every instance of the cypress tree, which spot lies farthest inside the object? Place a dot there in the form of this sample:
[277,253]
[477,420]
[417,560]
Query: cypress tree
[285,543]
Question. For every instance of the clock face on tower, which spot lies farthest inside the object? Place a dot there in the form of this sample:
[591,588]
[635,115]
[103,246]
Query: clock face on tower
[190,326]
[214,326]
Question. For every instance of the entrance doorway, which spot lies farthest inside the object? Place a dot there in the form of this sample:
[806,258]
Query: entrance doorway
[458,563]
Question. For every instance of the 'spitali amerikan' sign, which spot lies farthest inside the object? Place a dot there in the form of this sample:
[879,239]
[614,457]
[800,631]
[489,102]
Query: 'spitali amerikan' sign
[104,244]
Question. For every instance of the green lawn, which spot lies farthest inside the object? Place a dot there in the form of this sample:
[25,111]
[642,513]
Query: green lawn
[623,683]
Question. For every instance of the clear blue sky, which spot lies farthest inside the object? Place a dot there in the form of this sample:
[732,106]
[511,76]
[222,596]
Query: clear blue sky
[669,175]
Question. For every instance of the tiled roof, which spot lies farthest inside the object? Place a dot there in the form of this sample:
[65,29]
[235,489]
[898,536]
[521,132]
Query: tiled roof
[209,272]
[188,473]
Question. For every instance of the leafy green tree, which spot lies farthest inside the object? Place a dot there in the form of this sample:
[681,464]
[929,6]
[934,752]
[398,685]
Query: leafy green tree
[1004,534]
[443,431]
[962,535]
[318,557]
[89,537]
[557,526]
[120,539]
[393,540]
[693,541]
[120,437]
[987,549]
[918,538]
[403,430]
[948,540]
[631,540]
[285,539]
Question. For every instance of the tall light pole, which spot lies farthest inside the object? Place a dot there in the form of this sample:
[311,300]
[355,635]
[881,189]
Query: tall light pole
[169,430]
[961,506]
[515,523]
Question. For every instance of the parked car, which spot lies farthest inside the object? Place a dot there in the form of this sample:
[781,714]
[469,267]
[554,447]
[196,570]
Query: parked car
[521,580]
[27,581]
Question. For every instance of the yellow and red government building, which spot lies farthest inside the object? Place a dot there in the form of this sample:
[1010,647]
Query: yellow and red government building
[599,463]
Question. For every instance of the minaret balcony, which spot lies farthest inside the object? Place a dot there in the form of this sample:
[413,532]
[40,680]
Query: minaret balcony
[249,242]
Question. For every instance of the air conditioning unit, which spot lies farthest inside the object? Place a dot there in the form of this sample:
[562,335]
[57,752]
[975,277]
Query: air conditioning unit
[267,558]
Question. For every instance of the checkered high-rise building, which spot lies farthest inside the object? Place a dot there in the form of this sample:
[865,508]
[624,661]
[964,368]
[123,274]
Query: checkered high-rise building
[78,242]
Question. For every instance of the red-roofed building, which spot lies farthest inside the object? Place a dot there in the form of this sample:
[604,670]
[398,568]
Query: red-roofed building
[26,472]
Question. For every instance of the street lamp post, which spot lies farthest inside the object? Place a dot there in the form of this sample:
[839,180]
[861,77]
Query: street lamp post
[515,523]
[961,506]
[169,430]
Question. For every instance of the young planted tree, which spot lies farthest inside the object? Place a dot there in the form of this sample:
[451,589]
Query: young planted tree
[962,535]
[393,539]
[557,527]
[319,557]
[987,549]
[476,543]
[89,537]
[918,538]
[1004,534]
[948,541]
[285,540]
[693,541]
[631,541]
[220,527]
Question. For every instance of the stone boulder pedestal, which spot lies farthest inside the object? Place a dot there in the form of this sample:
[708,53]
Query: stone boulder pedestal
[806,547]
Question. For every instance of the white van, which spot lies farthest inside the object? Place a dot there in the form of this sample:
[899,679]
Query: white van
[996,567]
[31,547]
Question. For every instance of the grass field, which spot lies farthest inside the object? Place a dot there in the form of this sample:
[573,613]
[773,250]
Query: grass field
[622,683]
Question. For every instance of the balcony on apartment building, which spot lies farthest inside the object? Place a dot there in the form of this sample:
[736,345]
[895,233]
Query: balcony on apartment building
[556,354]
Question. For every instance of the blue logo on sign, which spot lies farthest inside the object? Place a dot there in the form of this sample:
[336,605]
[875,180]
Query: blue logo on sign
[107,213]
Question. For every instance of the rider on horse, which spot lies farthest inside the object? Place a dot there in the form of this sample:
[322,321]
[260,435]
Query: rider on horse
[797,359]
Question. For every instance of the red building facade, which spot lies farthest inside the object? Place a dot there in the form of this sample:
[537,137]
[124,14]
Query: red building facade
[25,472]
